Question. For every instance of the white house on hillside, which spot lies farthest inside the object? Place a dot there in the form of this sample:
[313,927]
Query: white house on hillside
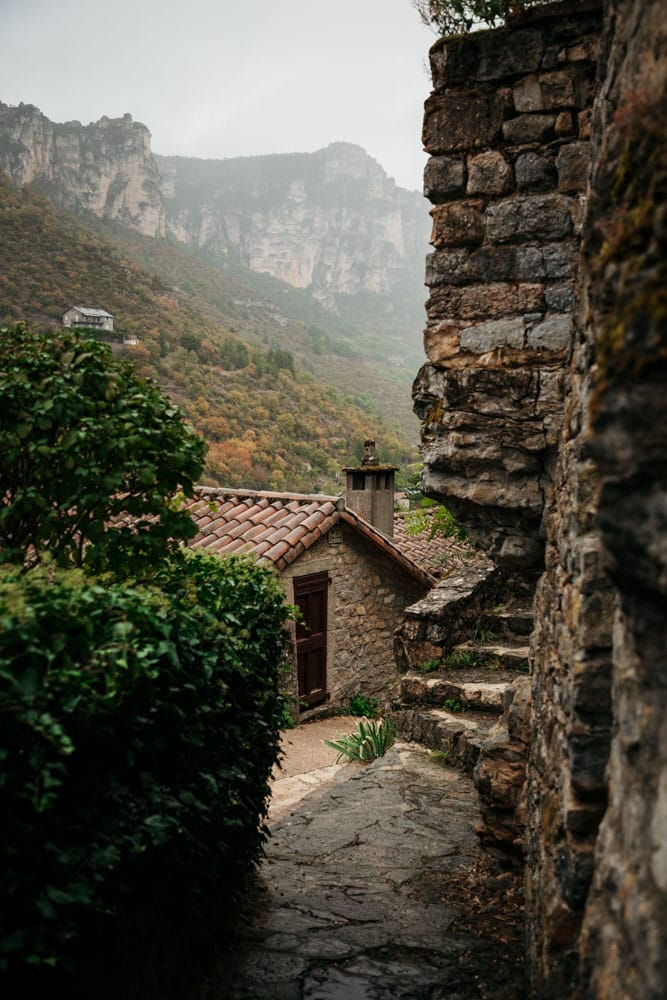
[83,316]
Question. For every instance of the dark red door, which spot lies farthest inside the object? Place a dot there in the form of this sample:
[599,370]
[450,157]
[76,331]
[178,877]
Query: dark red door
[310,596]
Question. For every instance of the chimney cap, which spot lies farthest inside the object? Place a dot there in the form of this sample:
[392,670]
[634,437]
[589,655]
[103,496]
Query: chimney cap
[370,461]
[369,456]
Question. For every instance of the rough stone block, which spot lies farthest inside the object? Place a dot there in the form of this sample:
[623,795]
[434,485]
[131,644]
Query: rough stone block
[554,334]
[584,120]
[590,692]
[535,173]
[441,342]
[527,94]
[444,178]
[584,49]
[493,335]
[582,821]
[457,224]
[529,128]
[564,123]
[545,217]
[498,59]
[564,88]
[489,173]
[485,56]
[574,870]
[446,266]
[560,298]
[502,263]
[560,260]
[572,163]
[589,753]
[486,301]
[456,121]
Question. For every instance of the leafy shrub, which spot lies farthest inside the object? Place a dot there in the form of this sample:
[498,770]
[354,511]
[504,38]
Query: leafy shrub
[432,519]
[371,739]
[361,705]
[138,730]
[450,17]
[84,439]
[460,659]
[430,666]
[455,705]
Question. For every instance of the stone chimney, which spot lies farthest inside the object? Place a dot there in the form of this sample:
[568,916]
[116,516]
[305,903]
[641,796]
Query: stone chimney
[369,490]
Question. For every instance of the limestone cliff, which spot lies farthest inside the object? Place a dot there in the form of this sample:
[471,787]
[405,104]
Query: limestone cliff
[330,221]
[106,167]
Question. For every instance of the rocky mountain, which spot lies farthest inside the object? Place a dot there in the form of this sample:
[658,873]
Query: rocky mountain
[331,222]
[106,168]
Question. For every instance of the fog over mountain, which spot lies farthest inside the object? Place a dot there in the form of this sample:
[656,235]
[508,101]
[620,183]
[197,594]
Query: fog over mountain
[331,222]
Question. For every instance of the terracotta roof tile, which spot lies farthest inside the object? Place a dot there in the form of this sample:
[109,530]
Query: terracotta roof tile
[277,550]
[296,534]
[313,519]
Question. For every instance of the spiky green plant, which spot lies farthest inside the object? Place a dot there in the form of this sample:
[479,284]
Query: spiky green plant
[371,739]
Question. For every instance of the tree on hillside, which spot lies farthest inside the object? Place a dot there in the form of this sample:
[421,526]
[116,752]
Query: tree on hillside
[90,455]
[450,17]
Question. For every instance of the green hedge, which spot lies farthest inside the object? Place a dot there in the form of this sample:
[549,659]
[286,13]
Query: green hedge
[138,729]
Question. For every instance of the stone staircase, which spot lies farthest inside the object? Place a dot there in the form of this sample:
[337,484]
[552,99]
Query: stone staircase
[473,707]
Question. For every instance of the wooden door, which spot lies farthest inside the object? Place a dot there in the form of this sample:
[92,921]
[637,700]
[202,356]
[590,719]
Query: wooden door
[310,596]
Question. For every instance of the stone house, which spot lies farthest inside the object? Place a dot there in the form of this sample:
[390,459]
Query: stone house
[83,316]
[348,577]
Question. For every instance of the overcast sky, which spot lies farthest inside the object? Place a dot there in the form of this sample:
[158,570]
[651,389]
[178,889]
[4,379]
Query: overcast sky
[216,78]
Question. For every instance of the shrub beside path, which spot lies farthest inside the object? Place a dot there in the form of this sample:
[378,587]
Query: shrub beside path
[374,886]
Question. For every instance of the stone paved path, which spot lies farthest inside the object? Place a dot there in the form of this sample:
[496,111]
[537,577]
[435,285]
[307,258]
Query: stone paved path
[374,888]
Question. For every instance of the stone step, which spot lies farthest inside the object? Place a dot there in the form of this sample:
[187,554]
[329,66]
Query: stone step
[458,735]
[507,622]
[505,654]
[456,687]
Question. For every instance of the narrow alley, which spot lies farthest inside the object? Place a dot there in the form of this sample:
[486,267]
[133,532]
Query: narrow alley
[374,886]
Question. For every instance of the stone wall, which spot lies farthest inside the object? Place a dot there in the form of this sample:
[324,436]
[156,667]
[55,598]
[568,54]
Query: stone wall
[507,127]
[596,794]
[597,900]
[367,597]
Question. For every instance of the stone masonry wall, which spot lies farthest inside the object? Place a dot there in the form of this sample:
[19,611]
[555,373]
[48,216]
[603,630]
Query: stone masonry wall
[507,127]
[367,598]
[596,792]
[597,899]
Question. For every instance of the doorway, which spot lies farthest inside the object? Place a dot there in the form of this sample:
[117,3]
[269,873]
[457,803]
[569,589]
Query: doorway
[311,597]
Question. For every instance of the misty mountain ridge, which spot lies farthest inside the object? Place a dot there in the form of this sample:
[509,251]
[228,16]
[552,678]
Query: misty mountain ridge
[193,305]
[331,223]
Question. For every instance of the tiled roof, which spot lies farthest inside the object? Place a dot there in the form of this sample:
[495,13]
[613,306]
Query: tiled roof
[437,555]
[278,527]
